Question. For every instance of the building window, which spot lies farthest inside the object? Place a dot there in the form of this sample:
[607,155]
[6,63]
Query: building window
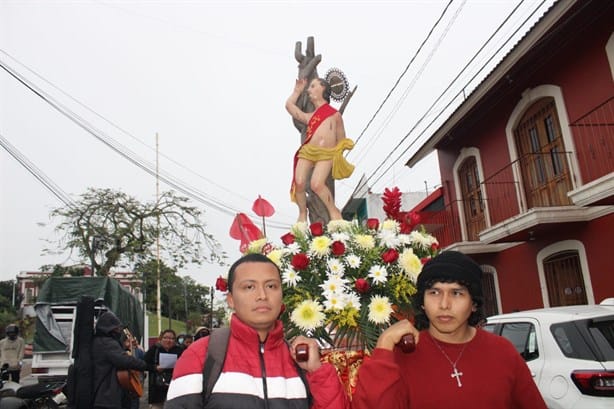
[473,203]
[542,156]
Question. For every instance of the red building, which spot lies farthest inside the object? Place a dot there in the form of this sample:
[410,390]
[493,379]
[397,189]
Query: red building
[527,166]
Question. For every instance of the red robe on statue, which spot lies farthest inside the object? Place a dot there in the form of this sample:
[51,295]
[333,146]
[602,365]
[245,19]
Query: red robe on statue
[319,116]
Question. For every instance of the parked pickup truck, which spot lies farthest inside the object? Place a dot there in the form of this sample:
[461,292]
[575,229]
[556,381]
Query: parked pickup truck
[55,318]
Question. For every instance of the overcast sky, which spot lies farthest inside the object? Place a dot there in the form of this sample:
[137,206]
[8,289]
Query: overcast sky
[211,79]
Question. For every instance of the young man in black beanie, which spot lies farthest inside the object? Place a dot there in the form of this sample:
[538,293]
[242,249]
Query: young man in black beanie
[455,364]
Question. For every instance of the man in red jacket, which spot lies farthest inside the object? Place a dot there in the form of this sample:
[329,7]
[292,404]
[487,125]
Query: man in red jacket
[260,368]
[455,364]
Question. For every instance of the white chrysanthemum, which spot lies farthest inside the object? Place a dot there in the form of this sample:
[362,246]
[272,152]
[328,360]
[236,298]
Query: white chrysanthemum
[320,246]
[308,315]
[338,225]
[275,256]
[293,248]
[333,285]
[334,302]
[353,260]
[378,273]
[410,263]
[352,299]
[421,240]
[256,246]
[365,241]
[340,236]
[391,225]
[379,309]
[299,228]
[290,277]
[388,238]
[335,267]
[404,239]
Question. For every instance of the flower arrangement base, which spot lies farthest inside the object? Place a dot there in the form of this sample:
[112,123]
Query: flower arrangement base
[347,363]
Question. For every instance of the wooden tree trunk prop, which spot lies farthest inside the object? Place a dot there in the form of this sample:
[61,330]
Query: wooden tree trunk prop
[307,68]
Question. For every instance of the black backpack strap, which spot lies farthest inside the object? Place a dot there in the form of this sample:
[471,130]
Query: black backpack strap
[214,361]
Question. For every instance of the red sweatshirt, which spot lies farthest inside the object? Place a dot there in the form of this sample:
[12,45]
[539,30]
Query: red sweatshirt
[494,375]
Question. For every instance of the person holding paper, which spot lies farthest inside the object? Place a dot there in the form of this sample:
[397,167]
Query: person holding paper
[163,355]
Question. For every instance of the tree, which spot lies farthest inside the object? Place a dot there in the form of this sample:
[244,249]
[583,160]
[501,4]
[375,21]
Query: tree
[183,295]
[118,226]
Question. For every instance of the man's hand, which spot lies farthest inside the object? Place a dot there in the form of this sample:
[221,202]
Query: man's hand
[392,335]
[299,86]
[313,363]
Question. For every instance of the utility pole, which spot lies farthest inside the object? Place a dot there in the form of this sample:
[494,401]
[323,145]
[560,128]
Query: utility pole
[211,315]
[159,303]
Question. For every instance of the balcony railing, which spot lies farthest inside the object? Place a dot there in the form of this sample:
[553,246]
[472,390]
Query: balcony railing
[594,139]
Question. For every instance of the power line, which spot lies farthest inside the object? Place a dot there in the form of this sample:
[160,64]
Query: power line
[36,172]
[404,71]
[129,155]
[455,96]
[413,81]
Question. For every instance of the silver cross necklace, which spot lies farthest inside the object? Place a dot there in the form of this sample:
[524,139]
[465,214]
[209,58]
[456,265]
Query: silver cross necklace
[455,373]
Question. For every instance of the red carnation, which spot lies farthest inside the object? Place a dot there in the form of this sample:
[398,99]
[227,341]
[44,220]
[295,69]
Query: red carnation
[338,248]
[221,284]
[316,229]
[300,261]
[288,238]
[424,260]
[390,256]
[372,224]
[362,285]
[435,246]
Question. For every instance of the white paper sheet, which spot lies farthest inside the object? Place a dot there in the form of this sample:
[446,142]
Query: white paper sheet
[167,360]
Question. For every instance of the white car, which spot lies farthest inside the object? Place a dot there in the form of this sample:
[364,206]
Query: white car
[569,350]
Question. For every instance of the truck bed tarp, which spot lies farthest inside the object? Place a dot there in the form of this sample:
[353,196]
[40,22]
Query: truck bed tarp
[67,291]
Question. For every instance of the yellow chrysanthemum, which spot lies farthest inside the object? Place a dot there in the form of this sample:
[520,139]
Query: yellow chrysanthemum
[410,263]
[320,246]
[275,256]
[308,315]
[379,309]
[365,241]
[391,225]
[338,225]
[256,246]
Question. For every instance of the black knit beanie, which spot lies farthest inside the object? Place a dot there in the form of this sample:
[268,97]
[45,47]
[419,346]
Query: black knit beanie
[452,266]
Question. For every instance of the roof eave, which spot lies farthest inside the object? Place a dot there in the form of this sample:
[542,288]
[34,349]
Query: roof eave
[495,77]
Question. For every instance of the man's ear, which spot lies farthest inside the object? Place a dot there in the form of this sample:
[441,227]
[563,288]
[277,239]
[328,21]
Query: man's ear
[230,301]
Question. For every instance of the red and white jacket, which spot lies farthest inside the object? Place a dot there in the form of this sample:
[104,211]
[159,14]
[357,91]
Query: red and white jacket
[251,378]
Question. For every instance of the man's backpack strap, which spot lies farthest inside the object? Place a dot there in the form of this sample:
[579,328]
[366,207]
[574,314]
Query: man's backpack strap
[214,361]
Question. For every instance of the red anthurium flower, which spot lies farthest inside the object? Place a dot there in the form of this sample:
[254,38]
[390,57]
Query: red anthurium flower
[338,248]
[316,229]
[390,256]
[300,261]
[362,285]
[287,238]
[221,284]
[372,224]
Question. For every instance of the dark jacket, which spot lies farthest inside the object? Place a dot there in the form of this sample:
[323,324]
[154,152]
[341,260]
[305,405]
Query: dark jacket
[108,356]
[157,390]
